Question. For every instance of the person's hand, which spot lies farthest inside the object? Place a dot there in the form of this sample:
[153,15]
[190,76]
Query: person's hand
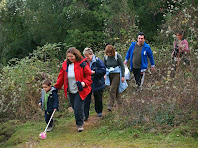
[39,104]
[152,68]
[80,85]
[125,62]
[83,84]
[105,77]
[55,109]
[122,79]
[93,72]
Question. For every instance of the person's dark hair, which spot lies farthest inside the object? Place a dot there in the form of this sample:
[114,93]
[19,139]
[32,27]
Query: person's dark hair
[75,52]
[110,49]
[180,32]
[47,82]
[141,33]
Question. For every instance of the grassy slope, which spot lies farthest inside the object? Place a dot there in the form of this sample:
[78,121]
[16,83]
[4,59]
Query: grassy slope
[96,134]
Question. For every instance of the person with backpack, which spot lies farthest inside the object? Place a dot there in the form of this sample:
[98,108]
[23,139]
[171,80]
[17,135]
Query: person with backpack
[138,53]
[115,75]
[75,75]
[98,71]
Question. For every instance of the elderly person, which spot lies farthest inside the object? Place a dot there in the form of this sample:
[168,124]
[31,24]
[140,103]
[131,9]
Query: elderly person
[98,85]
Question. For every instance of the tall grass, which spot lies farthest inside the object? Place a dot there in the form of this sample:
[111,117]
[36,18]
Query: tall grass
[21,83]
[166,102]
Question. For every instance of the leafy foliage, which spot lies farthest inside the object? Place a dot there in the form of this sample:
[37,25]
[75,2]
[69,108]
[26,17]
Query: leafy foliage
[181,15]
[166,103]
[22,81]
[28,24]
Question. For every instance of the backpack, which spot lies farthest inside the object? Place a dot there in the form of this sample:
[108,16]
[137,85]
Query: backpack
[116,56]
[83,64]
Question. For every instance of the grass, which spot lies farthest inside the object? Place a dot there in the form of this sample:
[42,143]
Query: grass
[97,133]
[168,98]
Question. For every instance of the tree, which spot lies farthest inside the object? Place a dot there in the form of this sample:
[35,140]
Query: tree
[80,23]
[86,24]
[149,15]
[120,20]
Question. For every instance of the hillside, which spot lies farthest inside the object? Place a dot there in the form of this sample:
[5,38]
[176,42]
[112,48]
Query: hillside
[97,134]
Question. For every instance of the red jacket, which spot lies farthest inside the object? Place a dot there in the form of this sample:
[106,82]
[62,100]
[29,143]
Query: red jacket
[81,74]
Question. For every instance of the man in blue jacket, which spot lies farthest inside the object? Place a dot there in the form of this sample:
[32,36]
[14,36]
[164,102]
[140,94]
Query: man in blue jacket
[138,53]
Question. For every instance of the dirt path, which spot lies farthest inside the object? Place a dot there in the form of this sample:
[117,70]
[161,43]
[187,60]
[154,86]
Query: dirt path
[67,135]
[93,121]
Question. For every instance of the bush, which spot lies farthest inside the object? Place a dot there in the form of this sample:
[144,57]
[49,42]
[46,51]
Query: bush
[21,82]
[165,102]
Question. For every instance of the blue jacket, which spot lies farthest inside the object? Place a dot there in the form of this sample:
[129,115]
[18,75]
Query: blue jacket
[98,66]
[122,85]
[52,102]
[146,52]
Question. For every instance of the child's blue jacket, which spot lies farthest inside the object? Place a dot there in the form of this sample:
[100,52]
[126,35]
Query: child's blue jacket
[146,52]
[52,102]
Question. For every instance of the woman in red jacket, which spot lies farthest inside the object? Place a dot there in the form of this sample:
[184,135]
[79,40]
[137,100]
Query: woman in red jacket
[75,75]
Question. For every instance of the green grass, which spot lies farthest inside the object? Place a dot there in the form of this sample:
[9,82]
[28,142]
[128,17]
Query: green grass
[96,134]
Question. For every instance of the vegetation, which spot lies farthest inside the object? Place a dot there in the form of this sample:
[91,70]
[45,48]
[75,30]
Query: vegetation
[34,38]
[28,24]
[17,134]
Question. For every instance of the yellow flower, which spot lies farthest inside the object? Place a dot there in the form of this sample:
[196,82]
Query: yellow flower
[184,22]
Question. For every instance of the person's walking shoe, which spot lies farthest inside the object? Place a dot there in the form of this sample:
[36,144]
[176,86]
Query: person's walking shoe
[80,128]
[86,118]
[99,114]
[49,129]
[139,89]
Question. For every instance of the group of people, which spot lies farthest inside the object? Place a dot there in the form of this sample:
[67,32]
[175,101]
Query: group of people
[85,76]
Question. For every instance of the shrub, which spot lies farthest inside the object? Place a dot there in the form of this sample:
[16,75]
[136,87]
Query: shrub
[165,102]
[21,82]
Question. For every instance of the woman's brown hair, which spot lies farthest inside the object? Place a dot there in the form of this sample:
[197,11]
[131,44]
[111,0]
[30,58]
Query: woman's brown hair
[75,52]
[110,49]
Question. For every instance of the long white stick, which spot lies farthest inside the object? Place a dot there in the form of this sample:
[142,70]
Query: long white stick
[142,80]
[49,121]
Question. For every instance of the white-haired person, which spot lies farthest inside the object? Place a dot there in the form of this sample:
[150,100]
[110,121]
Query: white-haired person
[98,71]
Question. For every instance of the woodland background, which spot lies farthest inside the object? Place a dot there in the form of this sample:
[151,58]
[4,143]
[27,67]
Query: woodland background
[35,34]
[27,24]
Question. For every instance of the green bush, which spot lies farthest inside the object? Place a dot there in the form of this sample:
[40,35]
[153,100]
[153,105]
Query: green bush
[21,82]
[165,102]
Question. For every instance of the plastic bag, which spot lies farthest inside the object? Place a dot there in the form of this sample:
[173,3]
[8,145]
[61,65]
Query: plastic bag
[127,73]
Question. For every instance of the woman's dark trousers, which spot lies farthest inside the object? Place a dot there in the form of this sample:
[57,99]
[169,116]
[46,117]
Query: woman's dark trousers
[78,106]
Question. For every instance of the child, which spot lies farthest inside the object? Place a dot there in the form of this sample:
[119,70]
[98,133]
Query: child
[49,102]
